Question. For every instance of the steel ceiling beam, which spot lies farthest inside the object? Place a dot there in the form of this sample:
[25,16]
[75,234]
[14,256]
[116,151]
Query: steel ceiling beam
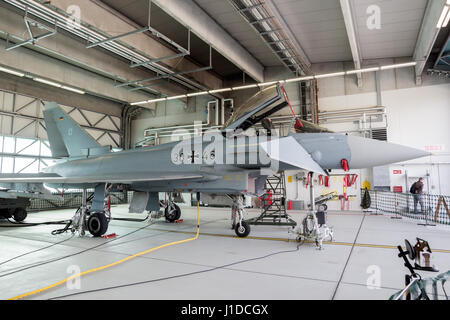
[352,37]
[183,53]
[179,55]
[427,36]
[29,23]
[443,54]
[164,76]
[189,14]
[95,44]
[168,76]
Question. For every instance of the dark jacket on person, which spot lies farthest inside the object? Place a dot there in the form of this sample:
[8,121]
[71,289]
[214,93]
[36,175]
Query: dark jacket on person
[417,187]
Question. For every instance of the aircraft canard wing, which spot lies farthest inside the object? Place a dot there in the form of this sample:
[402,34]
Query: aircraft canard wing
[289,151]
[125,179]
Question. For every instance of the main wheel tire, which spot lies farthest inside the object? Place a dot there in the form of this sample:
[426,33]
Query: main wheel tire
[97,224]
[242,229]
[172,213]
[19,214]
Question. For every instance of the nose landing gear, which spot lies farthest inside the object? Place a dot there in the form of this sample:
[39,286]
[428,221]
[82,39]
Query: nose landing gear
[172,212]
[241,227]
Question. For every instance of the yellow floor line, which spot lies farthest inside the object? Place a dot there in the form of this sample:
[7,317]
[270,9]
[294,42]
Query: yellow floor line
[112,264]
[291,240]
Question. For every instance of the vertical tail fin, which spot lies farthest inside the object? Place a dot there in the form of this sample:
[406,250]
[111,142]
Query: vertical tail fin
[67,138]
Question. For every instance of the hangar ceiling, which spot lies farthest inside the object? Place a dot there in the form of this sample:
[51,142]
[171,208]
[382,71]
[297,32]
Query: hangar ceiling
[138,12]
[309,31]
[401,22]
[320,29]
[70,44]
[222,12]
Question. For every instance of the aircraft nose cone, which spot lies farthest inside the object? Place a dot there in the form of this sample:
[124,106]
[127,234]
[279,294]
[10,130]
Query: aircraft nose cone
[367,153]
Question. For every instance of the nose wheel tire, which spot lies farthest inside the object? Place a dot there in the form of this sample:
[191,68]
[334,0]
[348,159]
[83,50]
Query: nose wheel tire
[172,213]
[242,229]
[97,224]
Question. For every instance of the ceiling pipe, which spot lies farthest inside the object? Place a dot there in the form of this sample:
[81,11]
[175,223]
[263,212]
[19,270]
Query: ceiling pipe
[63,22]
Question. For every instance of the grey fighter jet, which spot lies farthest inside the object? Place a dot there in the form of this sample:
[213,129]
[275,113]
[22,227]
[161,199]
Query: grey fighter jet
[230,161]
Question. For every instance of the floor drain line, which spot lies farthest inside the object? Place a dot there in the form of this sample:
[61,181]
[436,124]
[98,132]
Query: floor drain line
[348,259]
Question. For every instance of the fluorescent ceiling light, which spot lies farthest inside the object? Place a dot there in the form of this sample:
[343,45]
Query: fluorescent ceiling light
[300,79]
[329,75]
[400,65]
[219,90]
[58,85]
[442,17]
[245,87]
[50,83]
[16,73]
[306,78]
[264,84]
[197,94]
[156,100]
[177,97]
[445,24]
[137,103]
[73,90]
[363,70]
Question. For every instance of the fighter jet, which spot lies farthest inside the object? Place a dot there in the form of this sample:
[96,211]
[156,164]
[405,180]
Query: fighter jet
[233,161]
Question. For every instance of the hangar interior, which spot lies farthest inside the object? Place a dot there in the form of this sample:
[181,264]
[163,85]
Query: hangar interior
[137,75]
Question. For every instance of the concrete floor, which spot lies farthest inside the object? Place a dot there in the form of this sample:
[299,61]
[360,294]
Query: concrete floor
[340,271]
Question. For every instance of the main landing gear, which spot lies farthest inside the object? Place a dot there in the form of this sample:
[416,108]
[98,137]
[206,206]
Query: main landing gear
[241,227]
[95,218]
[97,223]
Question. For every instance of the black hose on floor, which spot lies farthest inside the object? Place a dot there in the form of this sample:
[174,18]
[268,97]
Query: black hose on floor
[14,224]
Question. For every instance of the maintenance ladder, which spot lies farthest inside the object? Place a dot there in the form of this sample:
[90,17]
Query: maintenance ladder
[273,204]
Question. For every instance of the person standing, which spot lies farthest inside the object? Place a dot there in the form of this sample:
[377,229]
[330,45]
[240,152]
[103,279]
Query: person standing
[417,191]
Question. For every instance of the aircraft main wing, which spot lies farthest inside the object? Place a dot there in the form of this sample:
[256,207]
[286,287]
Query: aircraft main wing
[125,179]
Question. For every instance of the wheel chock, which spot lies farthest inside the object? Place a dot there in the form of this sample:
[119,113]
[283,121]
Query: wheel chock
[109,236]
